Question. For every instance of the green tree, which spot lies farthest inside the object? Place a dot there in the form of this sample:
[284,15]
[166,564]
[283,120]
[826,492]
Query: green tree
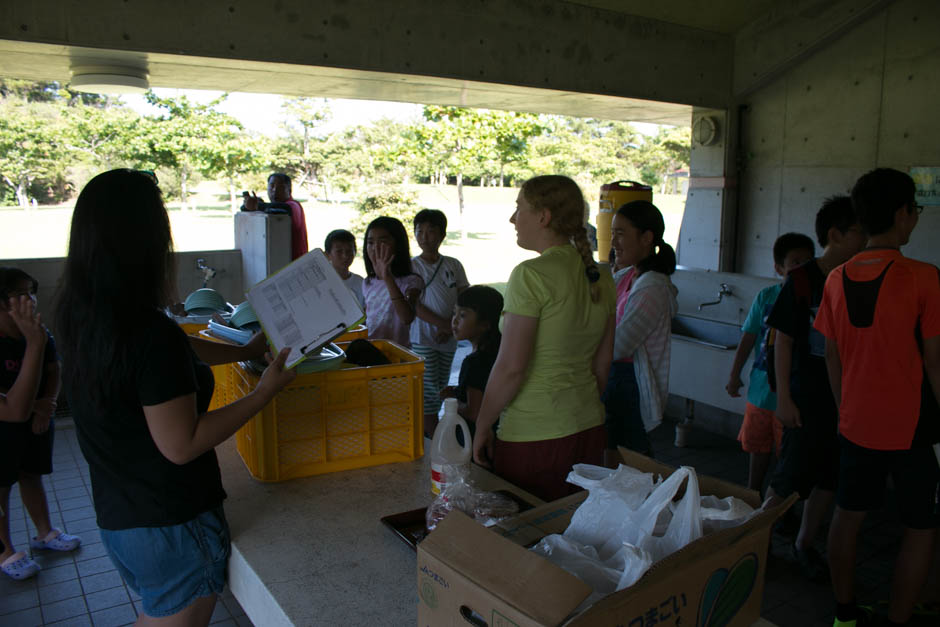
[668,150]
[190,138]
[32,147]
[512,132]
[385,200]
[451,140]
[231,153]
[108,137]
[303,152]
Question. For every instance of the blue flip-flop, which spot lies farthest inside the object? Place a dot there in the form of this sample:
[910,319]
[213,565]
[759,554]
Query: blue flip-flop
[20,566]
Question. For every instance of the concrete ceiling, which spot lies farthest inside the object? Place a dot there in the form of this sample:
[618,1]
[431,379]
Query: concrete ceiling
[51,62]
[41,61]
[718,16]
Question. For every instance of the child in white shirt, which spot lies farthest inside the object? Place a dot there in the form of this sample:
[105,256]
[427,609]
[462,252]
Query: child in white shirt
[340,249]
[431,333]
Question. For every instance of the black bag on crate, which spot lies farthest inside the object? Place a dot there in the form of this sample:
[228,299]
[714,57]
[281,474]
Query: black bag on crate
[365,353]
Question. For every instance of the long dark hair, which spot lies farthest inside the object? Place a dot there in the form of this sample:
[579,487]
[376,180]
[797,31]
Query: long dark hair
[119,268]
[646,217]
[401,261]
[487,303]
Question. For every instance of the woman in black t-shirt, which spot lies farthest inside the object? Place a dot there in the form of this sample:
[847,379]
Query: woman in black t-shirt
[139,390]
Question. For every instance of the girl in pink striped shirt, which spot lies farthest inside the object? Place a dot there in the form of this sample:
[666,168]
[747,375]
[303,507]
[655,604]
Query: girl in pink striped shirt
[646,302]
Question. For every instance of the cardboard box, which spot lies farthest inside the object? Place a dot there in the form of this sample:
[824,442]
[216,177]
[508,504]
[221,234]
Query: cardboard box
[470,574]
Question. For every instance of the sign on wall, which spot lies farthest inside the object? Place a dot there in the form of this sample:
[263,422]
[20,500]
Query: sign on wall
[927,184]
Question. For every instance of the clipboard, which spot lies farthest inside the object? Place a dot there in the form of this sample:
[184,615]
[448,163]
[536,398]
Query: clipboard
[304,306]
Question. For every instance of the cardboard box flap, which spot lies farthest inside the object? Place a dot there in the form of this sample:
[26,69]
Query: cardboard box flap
[516,576]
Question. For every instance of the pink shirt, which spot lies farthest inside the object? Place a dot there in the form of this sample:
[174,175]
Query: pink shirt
[381,319]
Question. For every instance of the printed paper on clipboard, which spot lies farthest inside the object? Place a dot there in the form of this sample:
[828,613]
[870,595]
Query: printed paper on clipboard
[304,306]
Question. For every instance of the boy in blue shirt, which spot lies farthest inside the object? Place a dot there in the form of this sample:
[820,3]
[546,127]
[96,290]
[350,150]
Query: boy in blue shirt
[761,432]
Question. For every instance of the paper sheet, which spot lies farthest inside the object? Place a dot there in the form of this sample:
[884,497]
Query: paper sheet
[304,306]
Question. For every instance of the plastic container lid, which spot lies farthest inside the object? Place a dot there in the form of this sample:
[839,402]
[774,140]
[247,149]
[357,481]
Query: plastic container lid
[331,357]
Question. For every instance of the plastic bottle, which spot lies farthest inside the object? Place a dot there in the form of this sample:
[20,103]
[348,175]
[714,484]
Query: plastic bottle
[445,450]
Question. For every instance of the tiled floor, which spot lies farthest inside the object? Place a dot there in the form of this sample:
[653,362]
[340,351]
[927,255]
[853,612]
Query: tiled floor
[82,588]
[790,599]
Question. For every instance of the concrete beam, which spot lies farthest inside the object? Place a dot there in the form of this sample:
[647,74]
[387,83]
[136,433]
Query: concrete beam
[543,44]
[791,33]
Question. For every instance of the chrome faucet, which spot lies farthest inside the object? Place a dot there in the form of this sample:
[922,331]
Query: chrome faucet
[724,291]
[208,273]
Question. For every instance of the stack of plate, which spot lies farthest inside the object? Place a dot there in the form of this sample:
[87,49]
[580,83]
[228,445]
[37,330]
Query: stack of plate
[205,301]
[238,336]
[245,317]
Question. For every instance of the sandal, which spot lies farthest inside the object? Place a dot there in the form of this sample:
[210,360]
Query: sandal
[61,541]
[20,566]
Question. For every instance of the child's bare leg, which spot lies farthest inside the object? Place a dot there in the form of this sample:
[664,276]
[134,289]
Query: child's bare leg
[815,511]
[758,463]
[842,544]
[910,572]
[5,523]
[34,499]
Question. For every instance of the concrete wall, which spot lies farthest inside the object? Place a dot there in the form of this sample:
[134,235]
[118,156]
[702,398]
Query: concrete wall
[228,280]
[869,99]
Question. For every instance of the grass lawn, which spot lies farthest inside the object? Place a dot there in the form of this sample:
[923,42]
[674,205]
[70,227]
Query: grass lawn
[488,252]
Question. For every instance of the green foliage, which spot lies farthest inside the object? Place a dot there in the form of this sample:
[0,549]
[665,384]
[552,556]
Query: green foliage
[32,148]
[391,201]
[667,151]
[53,139]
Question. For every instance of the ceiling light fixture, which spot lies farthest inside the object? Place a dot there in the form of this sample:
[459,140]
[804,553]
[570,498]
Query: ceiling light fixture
[109,79]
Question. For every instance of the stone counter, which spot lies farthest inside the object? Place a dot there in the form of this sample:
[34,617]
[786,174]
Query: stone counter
[313,551]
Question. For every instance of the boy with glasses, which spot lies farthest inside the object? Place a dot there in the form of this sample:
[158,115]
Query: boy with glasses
[881,317]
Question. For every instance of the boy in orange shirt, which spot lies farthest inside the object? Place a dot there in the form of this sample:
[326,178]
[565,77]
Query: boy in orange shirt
[880,314]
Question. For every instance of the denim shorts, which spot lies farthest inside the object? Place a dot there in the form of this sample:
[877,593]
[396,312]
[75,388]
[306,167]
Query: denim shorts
[170,567]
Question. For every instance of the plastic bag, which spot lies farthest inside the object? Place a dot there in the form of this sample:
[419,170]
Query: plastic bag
[660,526]
[581,561]
[457,494]
[633,563]
[487,508]
[491,507]
[613,497]
[718,514]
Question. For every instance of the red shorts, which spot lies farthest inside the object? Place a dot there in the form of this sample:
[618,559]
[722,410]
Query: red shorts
[541,467]
[761,432]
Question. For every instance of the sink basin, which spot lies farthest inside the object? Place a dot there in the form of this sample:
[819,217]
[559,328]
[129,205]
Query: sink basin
[706,332]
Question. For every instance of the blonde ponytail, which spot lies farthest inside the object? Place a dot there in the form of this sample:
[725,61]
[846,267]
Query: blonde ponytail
[583,246]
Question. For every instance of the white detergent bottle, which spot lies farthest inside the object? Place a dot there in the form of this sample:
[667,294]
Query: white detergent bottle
[445,449]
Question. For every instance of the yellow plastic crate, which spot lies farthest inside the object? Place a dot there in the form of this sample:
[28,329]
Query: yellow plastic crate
[222,395]
[336,420]
[358,332]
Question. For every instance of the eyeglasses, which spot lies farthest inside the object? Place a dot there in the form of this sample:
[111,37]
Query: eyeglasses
[918,208]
